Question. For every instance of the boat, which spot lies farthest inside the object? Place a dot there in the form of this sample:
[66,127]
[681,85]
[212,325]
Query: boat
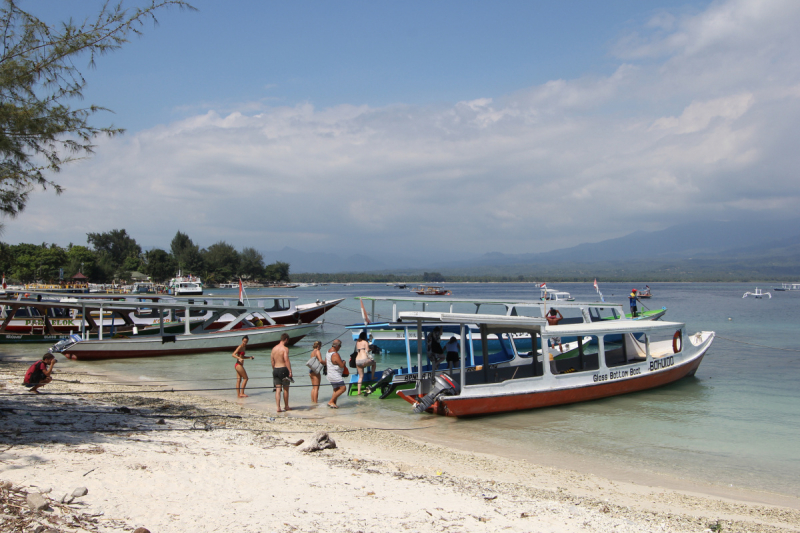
[400,337]
[391,339]
[186,286]
[195,338]
[757,294]
[645,293]
[432,290]
[555,296]
[788,287]
[651,354]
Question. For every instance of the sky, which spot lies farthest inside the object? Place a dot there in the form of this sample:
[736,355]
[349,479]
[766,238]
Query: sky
[446,128]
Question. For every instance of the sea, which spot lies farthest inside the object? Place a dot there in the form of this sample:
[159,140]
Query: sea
[735,424]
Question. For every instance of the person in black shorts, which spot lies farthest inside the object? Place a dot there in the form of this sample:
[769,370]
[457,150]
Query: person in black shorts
[451,348]
[39,373]
[281,372]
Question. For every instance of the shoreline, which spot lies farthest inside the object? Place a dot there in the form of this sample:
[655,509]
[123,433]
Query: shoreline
[377,478]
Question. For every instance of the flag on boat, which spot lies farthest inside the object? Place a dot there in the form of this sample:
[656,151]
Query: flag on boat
[4,281]
[364,312]
[543,285]
[595,285]
[241,290]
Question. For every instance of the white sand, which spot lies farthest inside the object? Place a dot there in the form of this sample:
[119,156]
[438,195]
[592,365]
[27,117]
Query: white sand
[244,475]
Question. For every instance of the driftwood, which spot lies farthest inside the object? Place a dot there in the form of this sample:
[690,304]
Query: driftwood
[320,441]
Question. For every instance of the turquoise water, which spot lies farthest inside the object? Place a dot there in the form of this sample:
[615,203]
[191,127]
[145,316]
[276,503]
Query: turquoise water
[735,423]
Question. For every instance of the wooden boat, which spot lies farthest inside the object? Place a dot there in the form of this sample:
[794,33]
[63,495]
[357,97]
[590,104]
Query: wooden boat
[651,354]
[645,293]
[432,290]
[198,338]
[392,339]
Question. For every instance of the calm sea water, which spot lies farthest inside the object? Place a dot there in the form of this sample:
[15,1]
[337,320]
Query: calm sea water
[737,422]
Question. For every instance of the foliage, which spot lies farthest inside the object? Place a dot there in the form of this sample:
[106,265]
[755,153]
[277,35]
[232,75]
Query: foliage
[39,130]
[251,264]
[159,265]
[432,277]
[118,250]
[221,261]
[277,271]
[187,254]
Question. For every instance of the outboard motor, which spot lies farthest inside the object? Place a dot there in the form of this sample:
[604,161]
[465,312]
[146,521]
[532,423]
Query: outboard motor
[386,378]
[443,386]
[63,344]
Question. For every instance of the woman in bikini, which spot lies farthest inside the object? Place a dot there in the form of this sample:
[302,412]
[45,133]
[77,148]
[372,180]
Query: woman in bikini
[316,378]
[363,358]
[241,373]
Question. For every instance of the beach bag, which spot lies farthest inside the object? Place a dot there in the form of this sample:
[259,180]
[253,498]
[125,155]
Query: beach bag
[345,372]
[314,365]
[353,358]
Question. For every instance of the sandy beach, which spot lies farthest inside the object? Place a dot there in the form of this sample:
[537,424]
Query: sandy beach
[173,462]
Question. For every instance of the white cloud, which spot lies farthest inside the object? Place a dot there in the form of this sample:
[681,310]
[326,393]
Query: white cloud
[700,114]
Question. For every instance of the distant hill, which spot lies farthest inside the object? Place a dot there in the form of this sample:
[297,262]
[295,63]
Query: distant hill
[703,251]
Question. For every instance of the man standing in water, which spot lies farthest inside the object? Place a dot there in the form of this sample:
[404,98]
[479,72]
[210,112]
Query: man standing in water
[281,372]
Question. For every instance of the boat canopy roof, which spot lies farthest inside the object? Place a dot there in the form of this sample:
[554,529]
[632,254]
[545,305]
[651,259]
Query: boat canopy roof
[507,323]
[129,305]
[507,303]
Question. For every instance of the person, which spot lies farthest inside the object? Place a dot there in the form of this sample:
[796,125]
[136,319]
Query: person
[553,318]
[281,372]
[452,353]
[316,377]
[632,299]
[363,358]
[241,373]
[335,366]
[40,373]
[434,347]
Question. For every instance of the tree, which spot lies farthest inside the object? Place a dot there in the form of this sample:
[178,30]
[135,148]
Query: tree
[277,271]
[251,263]
[186,253]
[222,261]
[39,131]
[81,259]
[159,265]
[119,249]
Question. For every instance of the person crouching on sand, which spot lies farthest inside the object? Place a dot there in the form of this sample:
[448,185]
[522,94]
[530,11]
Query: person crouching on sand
[241,373]
[281,372]
[335,366]
[39,373]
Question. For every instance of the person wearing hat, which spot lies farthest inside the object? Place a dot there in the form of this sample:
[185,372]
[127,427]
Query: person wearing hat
[632,299]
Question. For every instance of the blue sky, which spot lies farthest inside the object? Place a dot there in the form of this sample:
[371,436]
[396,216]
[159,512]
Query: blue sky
[520,126]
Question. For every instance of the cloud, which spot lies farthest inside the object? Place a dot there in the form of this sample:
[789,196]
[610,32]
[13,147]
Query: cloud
[697,120]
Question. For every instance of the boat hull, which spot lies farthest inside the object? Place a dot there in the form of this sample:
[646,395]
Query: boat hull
[460,406]
[261,337]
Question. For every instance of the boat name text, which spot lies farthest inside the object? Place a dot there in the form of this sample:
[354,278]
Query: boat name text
[657,364]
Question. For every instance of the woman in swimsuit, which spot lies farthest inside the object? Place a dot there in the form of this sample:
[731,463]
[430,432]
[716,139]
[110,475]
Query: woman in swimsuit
[363,358]
[316,379]
[241,373]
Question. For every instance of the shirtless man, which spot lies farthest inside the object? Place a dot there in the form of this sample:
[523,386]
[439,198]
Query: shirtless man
[553,318]
[281,372]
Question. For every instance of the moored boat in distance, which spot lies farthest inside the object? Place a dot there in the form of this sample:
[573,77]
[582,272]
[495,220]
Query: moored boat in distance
[431,290]
[186,286]
[650,354]
[757,294]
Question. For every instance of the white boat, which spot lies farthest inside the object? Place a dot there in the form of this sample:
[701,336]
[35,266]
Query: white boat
[200,338]
[186,286]
[758,294]
[555,296]
[391,339]
[651,354]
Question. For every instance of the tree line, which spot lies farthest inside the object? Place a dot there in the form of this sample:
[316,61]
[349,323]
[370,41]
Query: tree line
[114,255]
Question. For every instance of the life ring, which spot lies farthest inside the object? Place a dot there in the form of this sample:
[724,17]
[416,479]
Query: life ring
[675,338]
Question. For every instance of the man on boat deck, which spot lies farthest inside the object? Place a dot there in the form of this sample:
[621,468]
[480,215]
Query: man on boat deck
[553,318]
[281,372]
[632,299]
[434,347]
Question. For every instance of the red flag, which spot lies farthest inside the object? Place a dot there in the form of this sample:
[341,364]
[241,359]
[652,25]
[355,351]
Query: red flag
[595,284]
[542,286]
[240,291]
[364,312]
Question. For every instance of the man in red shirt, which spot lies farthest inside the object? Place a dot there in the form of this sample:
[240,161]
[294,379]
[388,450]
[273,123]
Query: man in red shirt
[39,372]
